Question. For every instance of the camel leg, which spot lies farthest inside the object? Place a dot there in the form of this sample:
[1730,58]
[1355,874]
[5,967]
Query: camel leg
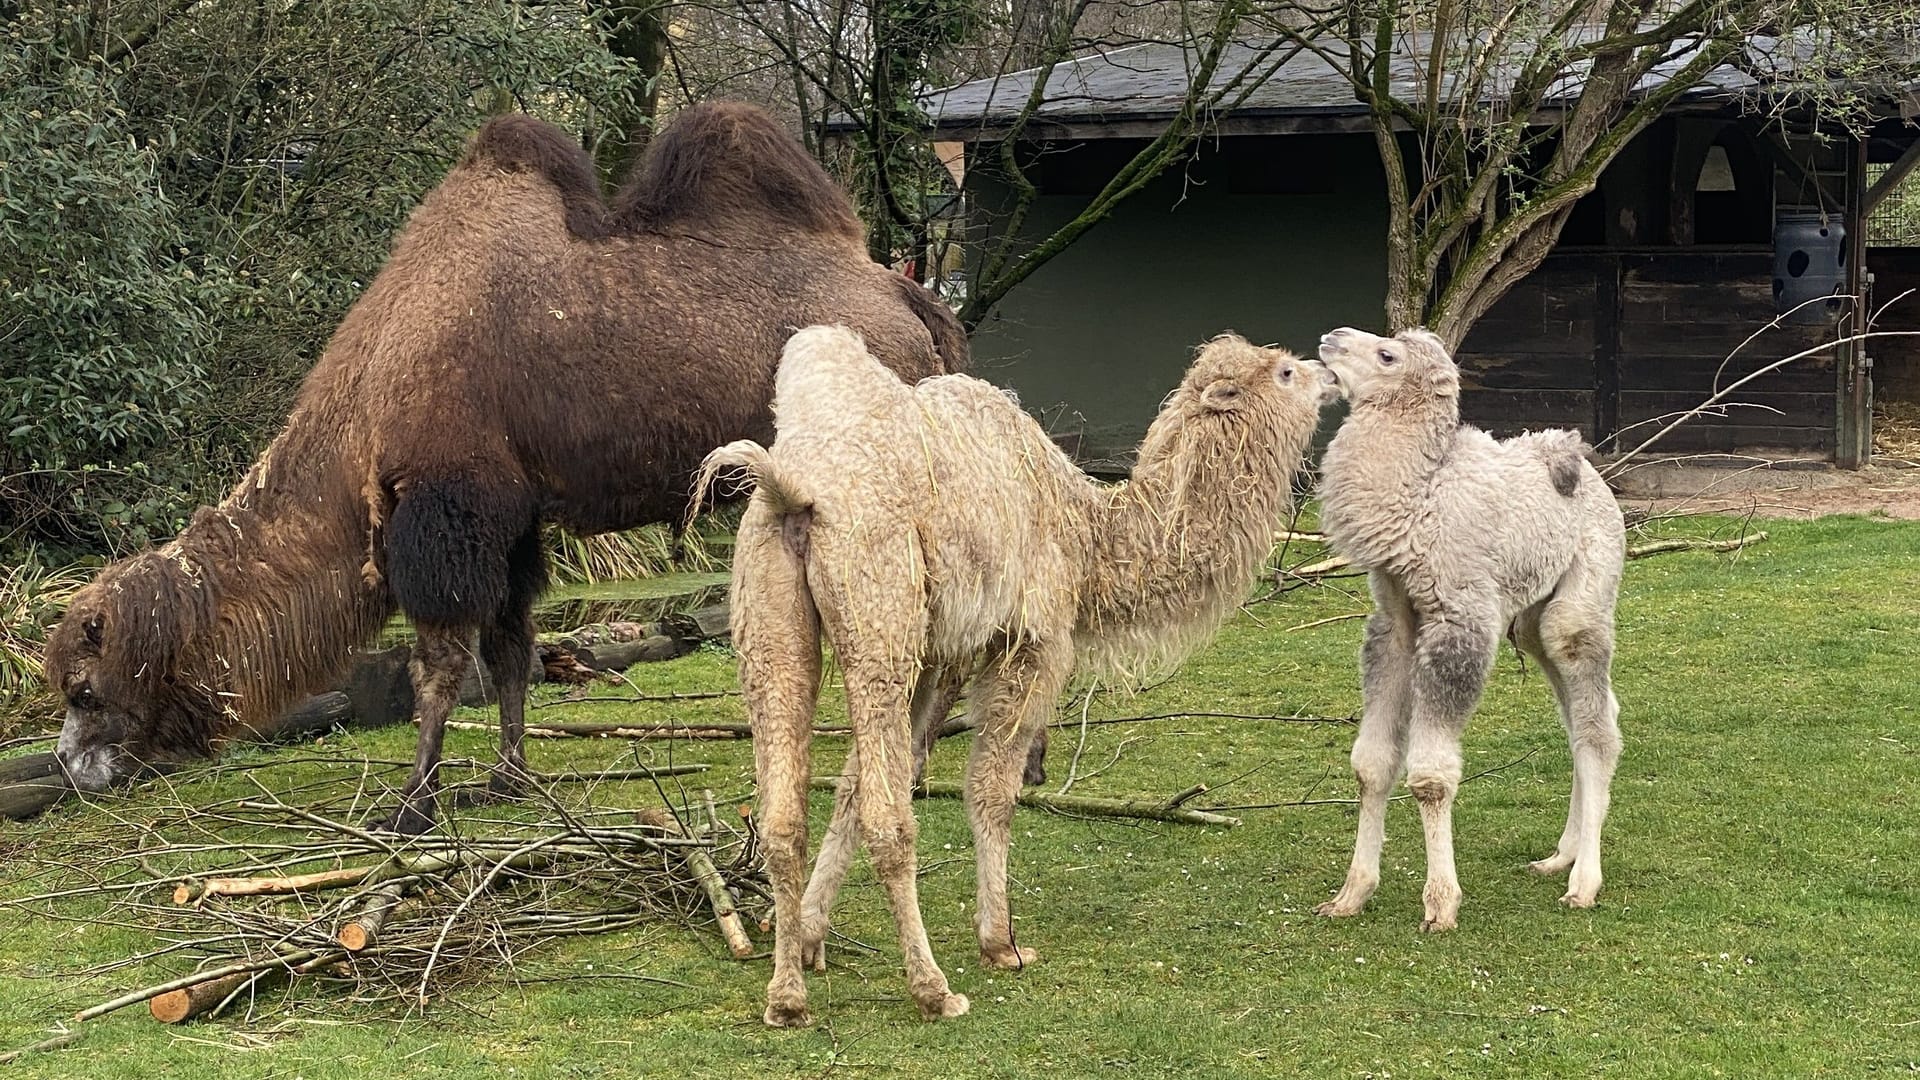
[439,663]
[1452,657]
[933,696]
[777,637]
[1386,672]
[506,643]
[1013,699]
[877,701]
[837,849]
[926,729]
[1578,654]
[1526,637]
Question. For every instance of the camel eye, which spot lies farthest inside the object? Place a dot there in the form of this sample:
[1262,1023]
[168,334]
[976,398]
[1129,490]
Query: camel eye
[1387,359]
[83,697]
[1286,374]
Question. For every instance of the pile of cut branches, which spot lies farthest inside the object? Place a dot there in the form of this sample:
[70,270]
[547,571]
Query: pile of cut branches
[244,897]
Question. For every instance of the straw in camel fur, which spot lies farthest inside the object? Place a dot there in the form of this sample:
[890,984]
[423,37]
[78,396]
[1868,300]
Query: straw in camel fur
[917,527]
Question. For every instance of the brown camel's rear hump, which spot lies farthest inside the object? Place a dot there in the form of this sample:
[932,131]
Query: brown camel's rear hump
[728,166]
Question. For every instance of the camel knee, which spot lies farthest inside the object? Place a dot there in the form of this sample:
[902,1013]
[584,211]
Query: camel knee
[1434,784]
[784,842]
[1578,646]
[1374,764]
[890,845]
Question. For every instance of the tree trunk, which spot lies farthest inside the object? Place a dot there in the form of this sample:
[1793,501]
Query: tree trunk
[635,31]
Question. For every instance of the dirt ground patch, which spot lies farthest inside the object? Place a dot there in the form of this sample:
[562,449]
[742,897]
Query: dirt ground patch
[1787,488]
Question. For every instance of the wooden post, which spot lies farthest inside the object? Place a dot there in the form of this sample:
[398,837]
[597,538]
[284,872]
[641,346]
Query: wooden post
[1854,429]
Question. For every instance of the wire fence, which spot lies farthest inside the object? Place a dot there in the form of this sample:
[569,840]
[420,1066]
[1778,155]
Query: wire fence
[1896,221]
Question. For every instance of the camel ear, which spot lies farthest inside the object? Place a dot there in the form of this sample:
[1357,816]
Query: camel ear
[1221,395]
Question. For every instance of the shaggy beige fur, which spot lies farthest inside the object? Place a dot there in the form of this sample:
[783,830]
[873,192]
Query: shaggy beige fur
[936,524]
[1466,538]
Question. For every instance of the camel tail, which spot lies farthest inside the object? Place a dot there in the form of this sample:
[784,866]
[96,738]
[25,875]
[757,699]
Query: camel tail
[1566,455]
[761,472]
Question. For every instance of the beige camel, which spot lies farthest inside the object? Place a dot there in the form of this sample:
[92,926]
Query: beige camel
[936,524]
[1466,539]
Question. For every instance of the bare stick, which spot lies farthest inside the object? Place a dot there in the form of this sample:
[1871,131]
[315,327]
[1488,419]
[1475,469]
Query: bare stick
[1144,809]
[700,862]
[1660,547]
[1210,716]
[1329,620]
[700,695]
[189,891]
[65,1038]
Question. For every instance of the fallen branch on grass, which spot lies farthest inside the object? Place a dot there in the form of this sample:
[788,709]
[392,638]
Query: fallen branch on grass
[1267,717]
[699,695]
[1170,810]
[1661,547]
[381,913]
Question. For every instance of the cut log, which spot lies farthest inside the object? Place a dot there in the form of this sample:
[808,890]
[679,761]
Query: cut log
[364,929]
[702,624]
[180,1006]
[621,655]
[29,767]
[18,802]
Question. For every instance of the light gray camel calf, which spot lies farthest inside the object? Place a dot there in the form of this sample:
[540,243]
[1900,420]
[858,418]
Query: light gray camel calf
[922,526]
[1465,538]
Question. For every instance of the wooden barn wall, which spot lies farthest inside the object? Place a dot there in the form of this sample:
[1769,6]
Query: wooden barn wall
[1896,360]
[1607,342]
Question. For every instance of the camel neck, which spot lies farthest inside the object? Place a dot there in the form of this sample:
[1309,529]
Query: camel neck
[1379,467]
[1178,545]
[285,558]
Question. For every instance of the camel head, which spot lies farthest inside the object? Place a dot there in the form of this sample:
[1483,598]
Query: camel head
[1235,381]
[1371,367]
[120,659]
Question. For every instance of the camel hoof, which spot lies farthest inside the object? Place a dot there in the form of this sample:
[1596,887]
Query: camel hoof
[499,789]
[1552,864]
[948,1007]
[1340,908]
[786,1016]
[1012,959]
[1438,924]
[813,952]
[1578,902]
[408,820]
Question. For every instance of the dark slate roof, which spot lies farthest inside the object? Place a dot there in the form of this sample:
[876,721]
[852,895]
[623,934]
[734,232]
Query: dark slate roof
[1143,85]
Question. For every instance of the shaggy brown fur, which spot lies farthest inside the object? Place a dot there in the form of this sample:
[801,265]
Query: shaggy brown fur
[528,354]
[922,527]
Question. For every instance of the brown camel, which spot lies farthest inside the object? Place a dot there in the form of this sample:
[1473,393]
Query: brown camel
[528,354]
[927,526]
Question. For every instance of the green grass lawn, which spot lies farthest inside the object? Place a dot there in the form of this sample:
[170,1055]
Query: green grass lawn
[1761,914]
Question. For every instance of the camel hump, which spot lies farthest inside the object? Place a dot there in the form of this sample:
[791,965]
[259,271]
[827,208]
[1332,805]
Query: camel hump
[729,165]
[949,337]
[522,144]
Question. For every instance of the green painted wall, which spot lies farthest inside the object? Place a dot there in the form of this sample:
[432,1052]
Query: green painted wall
[1278,239]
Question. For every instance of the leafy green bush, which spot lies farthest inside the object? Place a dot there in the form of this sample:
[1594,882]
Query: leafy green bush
[104,318]
[195,194]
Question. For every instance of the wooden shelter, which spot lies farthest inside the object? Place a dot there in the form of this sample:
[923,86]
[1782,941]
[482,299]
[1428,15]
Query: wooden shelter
[1276,226]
